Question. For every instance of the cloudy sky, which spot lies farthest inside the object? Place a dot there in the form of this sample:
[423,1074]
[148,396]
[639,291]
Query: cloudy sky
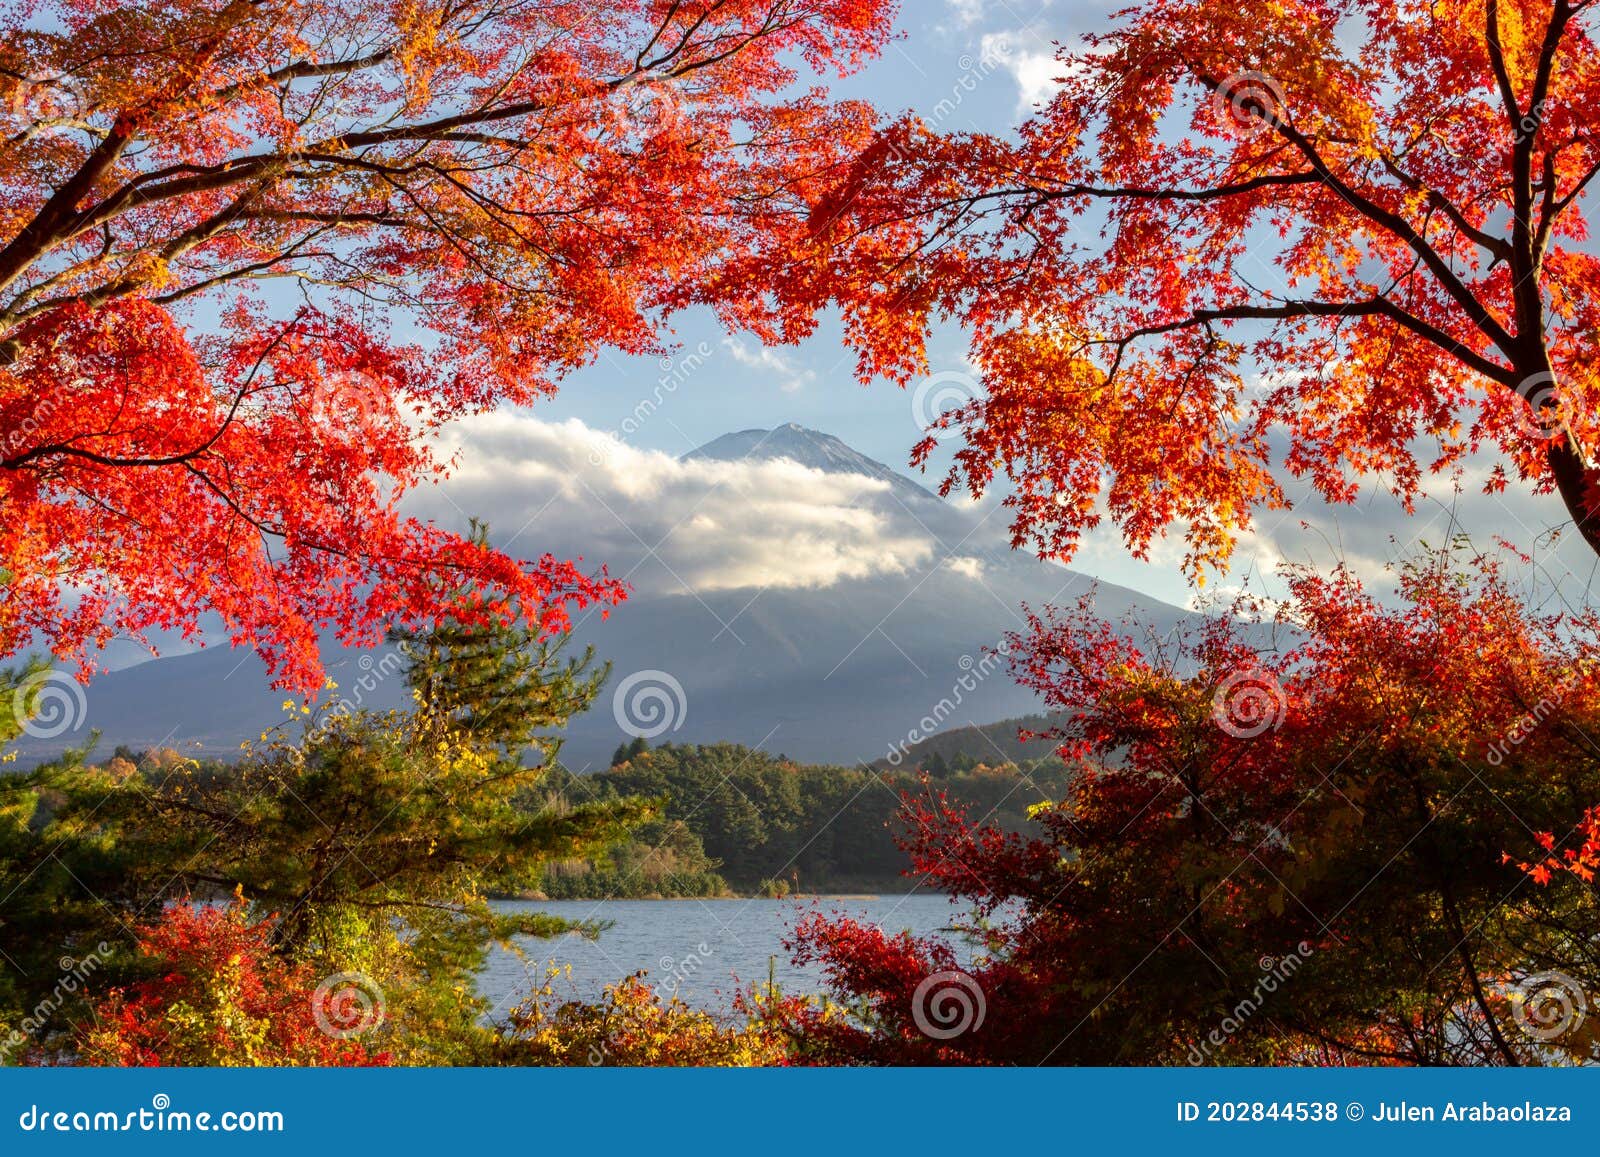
[673,527]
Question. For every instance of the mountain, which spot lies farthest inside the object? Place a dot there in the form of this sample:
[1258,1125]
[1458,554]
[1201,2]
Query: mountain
[857,665]
[810,448]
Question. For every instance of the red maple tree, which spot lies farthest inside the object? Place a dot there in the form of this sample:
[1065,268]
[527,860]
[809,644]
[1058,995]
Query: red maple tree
[1579,855]
[253,254]
[1272,854]
[222,996]
[1242,243]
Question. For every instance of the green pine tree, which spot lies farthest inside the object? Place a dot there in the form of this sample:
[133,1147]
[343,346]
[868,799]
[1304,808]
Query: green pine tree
[487,674]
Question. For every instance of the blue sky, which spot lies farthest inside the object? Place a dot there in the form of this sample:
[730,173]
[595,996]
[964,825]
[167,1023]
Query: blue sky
[962,65]
[948,51]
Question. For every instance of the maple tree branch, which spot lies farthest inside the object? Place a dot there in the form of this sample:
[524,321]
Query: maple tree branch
[1575,482]
[1498,246]
[1319,173]
[289,253]
[1527,299]
[302,70]
[1470,967]
[39,234]
[661,29]
[1560,15]
[70,213]
[1379,306]
[1402,230]
[61,449]
[1136,193]
[1497,60]
[65,450]
[1576,191]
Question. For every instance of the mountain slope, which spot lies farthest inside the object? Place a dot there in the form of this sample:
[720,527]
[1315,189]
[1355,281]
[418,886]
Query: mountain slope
[985,742]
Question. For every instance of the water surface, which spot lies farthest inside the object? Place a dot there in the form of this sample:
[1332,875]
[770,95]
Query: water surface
[705,951]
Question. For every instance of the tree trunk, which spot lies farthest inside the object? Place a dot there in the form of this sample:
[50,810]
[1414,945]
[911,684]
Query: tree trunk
[1577,484]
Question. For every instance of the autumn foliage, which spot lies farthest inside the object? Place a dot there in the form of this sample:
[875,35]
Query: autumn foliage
[634,1025]
[1579,855]
[220,996]
[1242,244]
[1276,852]
[254,255]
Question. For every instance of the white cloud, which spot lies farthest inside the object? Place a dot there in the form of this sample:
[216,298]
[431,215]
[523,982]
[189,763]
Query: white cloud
[771,362]
[1373,538]
[1031,61]
[668,523]
[966,13]
[967,566]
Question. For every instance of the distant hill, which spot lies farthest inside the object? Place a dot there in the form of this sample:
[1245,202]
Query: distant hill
[991,743]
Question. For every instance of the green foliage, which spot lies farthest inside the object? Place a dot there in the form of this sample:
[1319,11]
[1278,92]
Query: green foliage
[961,748]
[502,684]
[1305,855]
[633,1026]
[19,696]
[218,996]
[660,858]
[763,819]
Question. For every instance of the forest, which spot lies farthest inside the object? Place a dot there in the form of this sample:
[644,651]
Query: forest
[748,821]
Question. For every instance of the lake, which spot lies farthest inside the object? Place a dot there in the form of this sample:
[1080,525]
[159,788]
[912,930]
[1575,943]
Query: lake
[705,950]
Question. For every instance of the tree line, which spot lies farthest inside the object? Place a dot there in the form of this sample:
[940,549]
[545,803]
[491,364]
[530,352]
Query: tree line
[749,821]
